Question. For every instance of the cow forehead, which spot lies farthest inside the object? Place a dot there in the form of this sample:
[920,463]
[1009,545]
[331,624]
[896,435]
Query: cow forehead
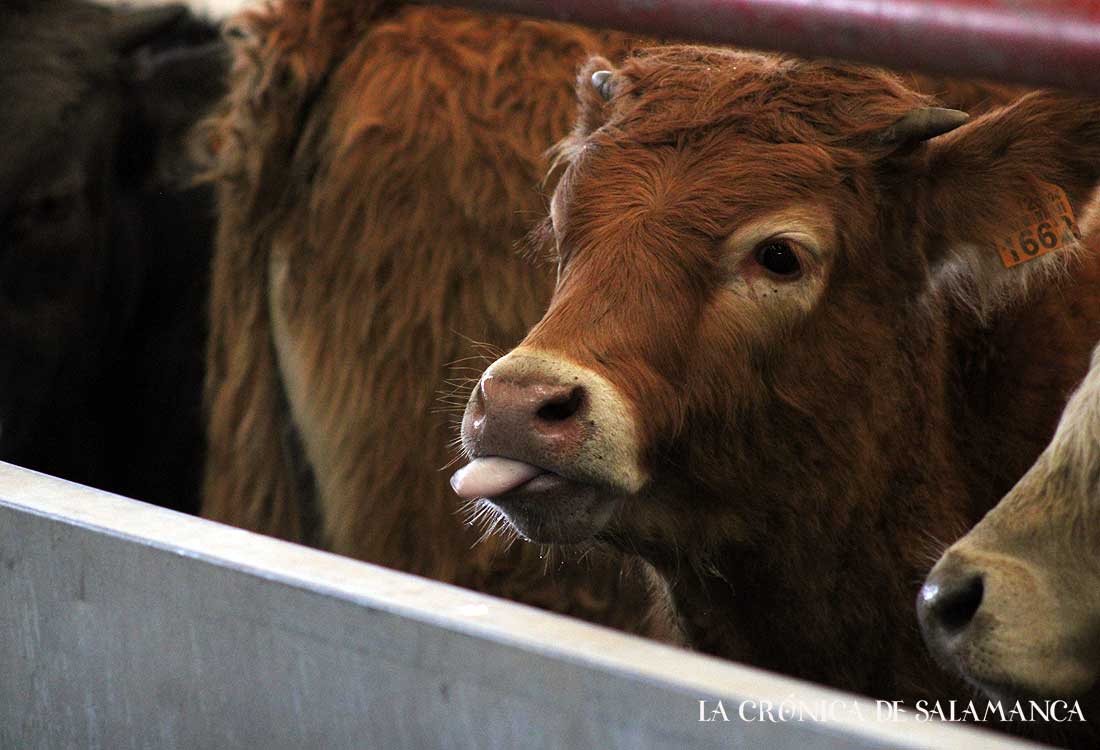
[673,90]
[55,41]
[44,141]
[702,191]
[58,77]
[46,99]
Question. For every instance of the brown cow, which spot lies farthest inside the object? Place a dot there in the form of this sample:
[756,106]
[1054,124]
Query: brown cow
[375,176]
[783,346]
[1015,604]
[376,171]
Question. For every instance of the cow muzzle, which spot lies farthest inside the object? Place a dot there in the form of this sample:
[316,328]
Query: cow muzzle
[552,445]
[1005,627]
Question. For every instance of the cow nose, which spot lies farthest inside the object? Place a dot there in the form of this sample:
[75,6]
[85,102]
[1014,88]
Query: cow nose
[949,600]
[550,411]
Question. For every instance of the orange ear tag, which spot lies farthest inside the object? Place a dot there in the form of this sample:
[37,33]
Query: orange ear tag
[1047,225]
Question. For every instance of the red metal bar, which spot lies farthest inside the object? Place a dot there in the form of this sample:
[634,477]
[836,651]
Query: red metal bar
[1041,42]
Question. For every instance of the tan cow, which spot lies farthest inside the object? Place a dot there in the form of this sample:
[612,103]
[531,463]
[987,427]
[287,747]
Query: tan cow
[1014,605]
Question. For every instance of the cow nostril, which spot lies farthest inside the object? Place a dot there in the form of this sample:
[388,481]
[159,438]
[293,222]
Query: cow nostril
[561,408]
[955,604]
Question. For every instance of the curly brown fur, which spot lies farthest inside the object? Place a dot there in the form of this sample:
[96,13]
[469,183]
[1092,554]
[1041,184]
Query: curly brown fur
[357,255]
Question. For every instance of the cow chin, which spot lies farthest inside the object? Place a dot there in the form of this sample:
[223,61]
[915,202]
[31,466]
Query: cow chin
[1008,681]
[551,509]
[1010,665]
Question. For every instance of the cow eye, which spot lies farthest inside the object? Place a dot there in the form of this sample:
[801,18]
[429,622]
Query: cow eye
[779,257]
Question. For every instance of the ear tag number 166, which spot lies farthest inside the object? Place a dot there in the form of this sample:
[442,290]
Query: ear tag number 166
[1051,228]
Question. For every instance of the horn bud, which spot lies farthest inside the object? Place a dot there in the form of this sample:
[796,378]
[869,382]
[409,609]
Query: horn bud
[601,80]
[921,124]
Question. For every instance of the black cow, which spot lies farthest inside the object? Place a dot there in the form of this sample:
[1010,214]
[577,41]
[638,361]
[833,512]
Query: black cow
[103,249]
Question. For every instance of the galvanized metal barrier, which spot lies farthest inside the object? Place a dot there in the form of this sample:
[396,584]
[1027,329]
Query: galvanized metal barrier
[1039,42]
[123,625]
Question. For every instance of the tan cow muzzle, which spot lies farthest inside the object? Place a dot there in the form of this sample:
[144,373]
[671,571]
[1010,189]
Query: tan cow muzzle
[1005,626]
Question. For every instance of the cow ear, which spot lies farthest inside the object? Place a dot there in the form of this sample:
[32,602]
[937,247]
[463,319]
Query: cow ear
[173,89]
[130,28]
[597,83]
[1000,195]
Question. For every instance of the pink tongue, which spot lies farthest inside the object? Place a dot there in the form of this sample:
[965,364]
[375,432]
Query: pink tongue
[491,477]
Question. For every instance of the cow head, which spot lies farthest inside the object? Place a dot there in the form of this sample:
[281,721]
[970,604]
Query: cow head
[747,248]
[97,102]
[1015,604]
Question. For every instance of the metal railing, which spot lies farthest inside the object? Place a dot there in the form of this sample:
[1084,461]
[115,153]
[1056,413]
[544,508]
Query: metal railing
[123,625]
[1042,42]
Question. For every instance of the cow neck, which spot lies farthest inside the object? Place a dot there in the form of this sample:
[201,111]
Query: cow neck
[814,584]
